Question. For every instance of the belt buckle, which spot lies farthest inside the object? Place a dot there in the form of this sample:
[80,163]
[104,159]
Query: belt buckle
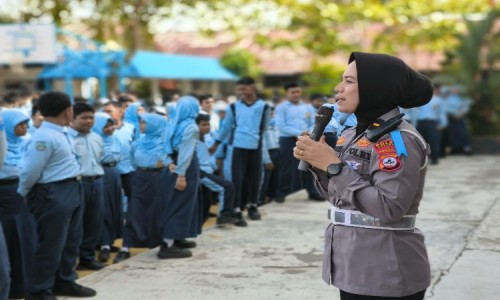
[78,178]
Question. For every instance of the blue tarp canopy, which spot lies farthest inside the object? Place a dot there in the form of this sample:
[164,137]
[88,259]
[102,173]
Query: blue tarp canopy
[155,65]
[78,65]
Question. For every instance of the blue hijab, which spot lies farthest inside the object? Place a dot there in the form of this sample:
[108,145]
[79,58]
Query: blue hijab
[153,139]
[12,118]
[101,120]
[186,111]
[131,116]
[171,110]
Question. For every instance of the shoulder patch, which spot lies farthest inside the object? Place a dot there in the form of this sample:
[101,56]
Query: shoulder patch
[388,157]
[41,146]
[363,143]
[341,140]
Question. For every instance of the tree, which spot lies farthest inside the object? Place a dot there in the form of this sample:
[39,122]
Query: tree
[472,63]
[241,62]
[322,78]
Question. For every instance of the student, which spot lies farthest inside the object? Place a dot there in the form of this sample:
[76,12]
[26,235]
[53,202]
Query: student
[293,117]
[143,228]
[18,224]
[89,148]
[270,179]
[181,215]
[125,135]
[35,120]
[51,174]
[112,228]
[4,258]
[245,124]
[215,183]
[131,116]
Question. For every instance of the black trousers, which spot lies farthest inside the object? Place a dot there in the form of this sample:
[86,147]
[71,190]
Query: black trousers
[429,130]
[127,184]
[92,217]
[269,185]
[349,296]
[227,205]
[246,172]
[290,178]
[57,208]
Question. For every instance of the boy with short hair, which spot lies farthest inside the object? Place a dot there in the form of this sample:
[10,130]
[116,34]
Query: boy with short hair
[89,148]
[213,182]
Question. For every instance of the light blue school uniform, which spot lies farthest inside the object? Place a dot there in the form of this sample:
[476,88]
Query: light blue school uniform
[293,119]
[15,144]
[49,157]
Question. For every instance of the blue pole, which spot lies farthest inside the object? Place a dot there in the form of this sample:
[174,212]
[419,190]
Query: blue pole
[47,84]
[68,87]
[103,88]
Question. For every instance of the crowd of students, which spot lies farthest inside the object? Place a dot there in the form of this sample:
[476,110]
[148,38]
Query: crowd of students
[75,178]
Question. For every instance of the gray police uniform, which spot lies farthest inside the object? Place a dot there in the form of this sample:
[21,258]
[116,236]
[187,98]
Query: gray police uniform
[50,179]
[371,246]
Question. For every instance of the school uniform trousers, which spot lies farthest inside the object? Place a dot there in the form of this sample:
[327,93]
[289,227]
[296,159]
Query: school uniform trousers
[112,226]
[269,186]
[4,268]
[57,207]
[223,187]
[19,229]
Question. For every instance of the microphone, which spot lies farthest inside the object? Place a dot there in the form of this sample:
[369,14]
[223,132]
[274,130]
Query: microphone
[322,118]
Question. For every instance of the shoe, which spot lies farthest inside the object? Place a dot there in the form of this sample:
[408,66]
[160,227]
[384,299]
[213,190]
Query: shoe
[224,220]
[240,221]
[73,289]
[90,265]
[185,244]
[253,213]
[316,198]
[121,256]
[172,252]
[104,255]
[41,296]
[279,199]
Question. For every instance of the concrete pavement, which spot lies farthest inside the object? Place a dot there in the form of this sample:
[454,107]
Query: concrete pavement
[280,257]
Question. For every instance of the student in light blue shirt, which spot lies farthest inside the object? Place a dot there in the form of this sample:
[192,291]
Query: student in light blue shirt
[181,218]
[125,135]
[143,226]
[50,174]
[457,107]
[270,177]
[131,116]
[293,117]
[18,223]
[245,125]
[214,183]
[431,118]
[36,119]
[112,228]
[4,258]
[89,148]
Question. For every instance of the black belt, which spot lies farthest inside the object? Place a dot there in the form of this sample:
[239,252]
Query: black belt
[72,179]
[330,133]
[149,169]
[110,165]
[9,181]
[91,178]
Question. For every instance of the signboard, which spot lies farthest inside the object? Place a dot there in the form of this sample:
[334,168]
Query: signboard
[27,43]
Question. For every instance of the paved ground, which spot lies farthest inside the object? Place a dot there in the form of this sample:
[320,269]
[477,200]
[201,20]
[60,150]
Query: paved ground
[280,256]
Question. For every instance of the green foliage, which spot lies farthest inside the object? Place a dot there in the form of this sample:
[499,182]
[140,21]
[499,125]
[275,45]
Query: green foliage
[322,78]
[472,63]
[241,62]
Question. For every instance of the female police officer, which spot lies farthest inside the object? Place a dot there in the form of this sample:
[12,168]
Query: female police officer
[375,184]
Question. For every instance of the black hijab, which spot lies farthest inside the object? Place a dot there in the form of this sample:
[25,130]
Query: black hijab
[384,83]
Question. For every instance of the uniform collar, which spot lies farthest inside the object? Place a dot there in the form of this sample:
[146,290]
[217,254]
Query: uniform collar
[74,133]
[54,126]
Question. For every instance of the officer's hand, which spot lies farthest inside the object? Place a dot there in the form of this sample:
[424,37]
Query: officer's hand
[181,183]
[304,133]
[171,168]
[318,154]
[269,166]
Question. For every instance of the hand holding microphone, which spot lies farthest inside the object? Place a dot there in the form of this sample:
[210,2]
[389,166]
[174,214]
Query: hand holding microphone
[322,118]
